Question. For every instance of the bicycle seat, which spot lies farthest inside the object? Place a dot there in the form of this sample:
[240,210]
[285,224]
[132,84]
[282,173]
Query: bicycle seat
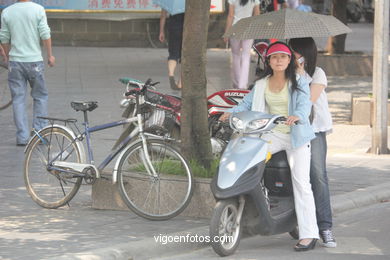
[84,105]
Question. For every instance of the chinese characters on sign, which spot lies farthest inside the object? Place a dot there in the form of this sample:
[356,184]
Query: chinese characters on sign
[107,5]
[78,5]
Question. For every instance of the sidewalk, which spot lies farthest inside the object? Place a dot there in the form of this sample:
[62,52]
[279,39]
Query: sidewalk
[28,231]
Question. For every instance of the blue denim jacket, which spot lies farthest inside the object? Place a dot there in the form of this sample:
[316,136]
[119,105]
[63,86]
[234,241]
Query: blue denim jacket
[299,105]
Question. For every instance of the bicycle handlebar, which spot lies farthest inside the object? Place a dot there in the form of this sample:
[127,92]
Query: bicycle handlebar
[140,88]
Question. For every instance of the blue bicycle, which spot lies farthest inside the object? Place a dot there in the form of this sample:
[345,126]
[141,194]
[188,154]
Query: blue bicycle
[154,179]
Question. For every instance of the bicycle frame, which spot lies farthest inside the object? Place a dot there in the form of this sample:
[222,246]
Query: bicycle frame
[87,133]
[53,165]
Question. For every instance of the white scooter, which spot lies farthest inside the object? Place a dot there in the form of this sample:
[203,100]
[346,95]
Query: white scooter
[254,194]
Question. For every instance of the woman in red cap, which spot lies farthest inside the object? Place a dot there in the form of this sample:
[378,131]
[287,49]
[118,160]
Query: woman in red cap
[282,90]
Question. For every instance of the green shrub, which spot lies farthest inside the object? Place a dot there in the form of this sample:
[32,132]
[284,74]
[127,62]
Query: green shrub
[200,171]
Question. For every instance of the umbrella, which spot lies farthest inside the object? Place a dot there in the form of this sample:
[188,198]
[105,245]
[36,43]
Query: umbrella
[172,6]
[287,24]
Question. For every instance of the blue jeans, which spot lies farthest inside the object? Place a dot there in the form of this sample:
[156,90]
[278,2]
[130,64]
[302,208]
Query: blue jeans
[19,74]
[319,181]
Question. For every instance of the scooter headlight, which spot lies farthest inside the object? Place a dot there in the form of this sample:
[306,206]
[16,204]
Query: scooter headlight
[256,124]
[237,123]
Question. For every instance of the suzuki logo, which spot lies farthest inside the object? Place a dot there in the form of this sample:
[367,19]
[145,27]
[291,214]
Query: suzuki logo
[234,94]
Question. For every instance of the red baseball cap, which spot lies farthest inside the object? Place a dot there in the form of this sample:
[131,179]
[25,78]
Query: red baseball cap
[278,48]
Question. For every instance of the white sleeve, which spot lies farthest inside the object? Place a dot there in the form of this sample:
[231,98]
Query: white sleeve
[319,77]
[231,2]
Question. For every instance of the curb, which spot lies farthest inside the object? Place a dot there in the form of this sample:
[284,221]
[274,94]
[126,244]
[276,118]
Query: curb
[143,249]
[149,248]
[361,197]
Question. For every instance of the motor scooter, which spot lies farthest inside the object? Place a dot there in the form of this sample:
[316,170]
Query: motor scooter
[253,191]
[162,112]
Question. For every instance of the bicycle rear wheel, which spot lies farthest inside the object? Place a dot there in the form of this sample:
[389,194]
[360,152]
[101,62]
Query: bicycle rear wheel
[159,197]
[5,93]
[51,188]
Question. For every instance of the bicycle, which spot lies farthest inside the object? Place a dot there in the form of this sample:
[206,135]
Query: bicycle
[153,177]
[5,94]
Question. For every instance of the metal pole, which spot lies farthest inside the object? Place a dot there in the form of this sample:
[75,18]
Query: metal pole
[380,77]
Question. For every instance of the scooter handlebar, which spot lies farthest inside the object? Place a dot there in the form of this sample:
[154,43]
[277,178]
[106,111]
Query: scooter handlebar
[282,120]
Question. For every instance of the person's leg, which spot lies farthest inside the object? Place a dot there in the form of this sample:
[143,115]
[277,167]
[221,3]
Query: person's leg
[319,181]
[276,141]
[180,45]
[320,187]
[39,93]
[299,161]
[172,67]
[245,63]
[236,61]
[17,83]
[174,50]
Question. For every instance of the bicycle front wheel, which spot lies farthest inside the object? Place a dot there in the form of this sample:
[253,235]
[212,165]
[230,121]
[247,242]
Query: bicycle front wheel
[155,197]
[5,93]
[48,187]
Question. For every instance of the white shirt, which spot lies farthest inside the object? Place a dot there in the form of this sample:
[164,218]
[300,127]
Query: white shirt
[322,121]
[243,11]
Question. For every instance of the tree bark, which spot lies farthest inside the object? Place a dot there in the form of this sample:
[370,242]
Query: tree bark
[195,137]
[336,45]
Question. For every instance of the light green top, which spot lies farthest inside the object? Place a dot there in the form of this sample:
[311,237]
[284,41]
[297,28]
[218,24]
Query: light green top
[278,105]
[23,25]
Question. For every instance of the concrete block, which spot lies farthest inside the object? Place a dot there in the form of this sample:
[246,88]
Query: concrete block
[108,37]
[105,195]
[94,26]
[74,26]
[154,27]
[362,109]
[121,26]
[89,37]
[139,26]
[55,25]
[346,64]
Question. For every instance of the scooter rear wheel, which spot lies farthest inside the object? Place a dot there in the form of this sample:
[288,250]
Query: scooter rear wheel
[225,234]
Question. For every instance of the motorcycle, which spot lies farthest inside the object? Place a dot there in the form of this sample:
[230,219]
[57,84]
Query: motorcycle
[253,192]
[162,112]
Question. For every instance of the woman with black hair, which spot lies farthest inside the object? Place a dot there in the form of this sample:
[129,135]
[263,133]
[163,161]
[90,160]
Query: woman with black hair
[305,51]
[239,9]
[284,92]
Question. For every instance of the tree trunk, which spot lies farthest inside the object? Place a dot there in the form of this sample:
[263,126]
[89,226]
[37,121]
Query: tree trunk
[195,135]
[336,44]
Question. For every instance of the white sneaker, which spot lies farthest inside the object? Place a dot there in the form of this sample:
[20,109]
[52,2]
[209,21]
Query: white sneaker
[328,238]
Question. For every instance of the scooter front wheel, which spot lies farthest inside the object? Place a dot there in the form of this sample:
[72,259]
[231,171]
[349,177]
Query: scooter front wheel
[225,233]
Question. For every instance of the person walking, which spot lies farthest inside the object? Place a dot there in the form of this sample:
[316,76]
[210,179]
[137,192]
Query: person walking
[283,92]
[305,51]
[239,9]
[175,41]
[23,25]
